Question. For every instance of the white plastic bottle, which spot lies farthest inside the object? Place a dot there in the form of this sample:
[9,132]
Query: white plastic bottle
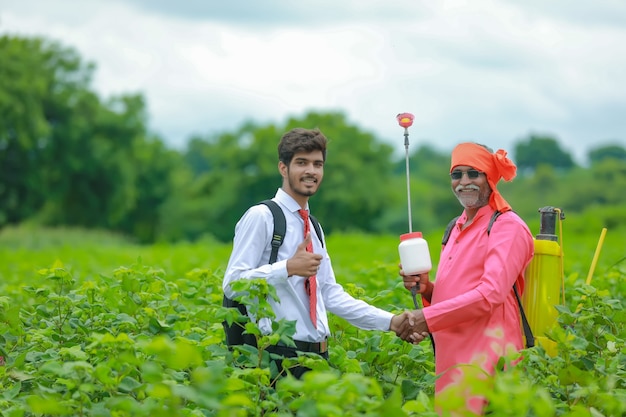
[414,254]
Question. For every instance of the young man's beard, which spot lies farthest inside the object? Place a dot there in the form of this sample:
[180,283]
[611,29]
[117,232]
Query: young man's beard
[305,192]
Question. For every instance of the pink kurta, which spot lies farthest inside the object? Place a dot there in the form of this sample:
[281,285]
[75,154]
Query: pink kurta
[473,314]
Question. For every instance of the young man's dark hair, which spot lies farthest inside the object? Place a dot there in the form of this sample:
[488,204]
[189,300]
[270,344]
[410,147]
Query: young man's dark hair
[301,140]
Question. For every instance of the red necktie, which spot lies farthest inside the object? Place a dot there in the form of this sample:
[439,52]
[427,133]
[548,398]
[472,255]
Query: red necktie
[311,282]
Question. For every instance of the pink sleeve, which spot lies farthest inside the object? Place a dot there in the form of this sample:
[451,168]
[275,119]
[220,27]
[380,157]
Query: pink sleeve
[509,249]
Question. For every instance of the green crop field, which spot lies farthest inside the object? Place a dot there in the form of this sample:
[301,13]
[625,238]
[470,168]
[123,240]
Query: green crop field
[93,325]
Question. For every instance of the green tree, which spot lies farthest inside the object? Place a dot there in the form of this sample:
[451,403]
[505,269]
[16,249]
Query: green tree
[30,71]
[68,157]
[155,166]
[229,172]
[536,150]
[601,153]
[601,185]
[89,167]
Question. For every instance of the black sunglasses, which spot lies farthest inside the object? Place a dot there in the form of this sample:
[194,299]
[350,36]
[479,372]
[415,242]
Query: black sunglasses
[472,174]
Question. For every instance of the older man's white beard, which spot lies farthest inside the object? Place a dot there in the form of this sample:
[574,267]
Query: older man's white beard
[471,201]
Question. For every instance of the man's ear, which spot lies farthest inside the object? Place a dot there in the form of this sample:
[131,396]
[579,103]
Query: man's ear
[282,168]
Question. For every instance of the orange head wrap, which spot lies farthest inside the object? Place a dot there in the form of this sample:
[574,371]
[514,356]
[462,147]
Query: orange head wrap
[494,165]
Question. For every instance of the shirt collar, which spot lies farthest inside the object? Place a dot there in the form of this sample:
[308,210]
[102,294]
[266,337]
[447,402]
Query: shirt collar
[287,201]
[483,211]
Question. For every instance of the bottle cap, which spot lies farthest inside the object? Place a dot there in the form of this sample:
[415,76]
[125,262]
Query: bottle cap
[412,235]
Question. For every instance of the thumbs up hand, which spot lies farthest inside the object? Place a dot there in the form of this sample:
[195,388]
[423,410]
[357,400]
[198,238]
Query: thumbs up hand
[304,263]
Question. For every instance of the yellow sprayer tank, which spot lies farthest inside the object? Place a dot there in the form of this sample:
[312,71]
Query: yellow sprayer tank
[544,277]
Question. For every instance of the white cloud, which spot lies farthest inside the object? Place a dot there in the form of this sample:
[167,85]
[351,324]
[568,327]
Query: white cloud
[491,71]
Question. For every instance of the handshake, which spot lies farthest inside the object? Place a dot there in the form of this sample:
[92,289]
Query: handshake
[410,326]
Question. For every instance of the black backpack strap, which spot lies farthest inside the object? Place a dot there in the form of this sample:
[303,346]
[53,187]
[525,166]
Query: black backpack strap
[280,227]
[318,229]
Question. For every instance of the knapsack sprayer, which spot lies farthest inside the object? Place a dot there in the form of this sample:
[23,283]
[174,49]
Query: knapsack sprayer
[544,279]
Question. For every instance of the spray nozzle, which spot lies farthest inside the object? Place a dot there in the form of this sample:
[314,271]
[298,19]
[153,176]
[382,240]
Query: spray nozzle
[405,119]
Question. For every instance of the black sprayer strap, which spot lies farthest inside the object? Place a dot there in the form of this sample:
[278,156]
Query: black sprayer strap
[528,333]
[495,215]
[446,234]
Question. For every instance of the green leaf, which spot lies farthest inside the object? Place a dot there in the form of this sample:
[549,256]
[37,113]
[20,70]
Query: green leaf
[393,404]
[13,391]
[53,367]
[128,384]
[410,389]
[74,352]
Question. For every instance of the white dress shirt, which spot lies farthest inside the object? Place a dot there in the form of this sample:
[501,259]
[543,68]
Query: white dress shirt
[249,260]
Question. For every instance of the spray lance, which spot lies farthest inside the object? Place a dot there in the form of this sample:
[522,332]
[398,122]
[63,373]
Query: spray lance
[413,249]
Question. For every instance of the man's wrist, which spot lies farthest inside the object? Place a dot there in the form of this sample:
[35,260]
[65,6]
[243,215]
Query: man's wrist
[429,291]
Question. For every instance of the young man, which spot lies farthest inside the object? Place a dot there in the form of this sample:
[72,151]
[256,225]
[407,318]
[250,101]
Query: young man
[471,309]
[302,274]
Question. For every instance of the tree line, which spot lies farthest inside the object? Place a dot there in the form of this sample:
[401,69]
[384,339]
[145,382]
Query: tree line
[71,158]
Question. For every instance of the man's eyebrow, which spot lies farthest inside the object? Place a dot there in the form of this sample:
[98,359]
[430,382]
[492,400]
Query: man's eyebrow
[303,158]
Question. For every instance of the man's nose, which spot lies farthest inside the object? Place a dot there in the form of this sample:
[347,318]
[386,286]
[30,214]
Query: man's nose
[465,179]
[311,168]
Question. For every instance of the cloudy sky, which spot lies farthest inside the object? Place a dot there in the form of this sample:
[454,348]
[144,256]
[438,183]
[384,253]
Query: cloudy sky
[484,70]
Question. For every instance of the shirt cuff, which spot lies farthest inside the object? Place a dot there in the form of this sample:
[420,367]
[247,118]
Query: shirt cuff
[384,320]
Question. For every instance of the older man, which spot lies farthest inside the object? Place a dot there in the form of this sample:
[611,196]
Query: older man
[471,310]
